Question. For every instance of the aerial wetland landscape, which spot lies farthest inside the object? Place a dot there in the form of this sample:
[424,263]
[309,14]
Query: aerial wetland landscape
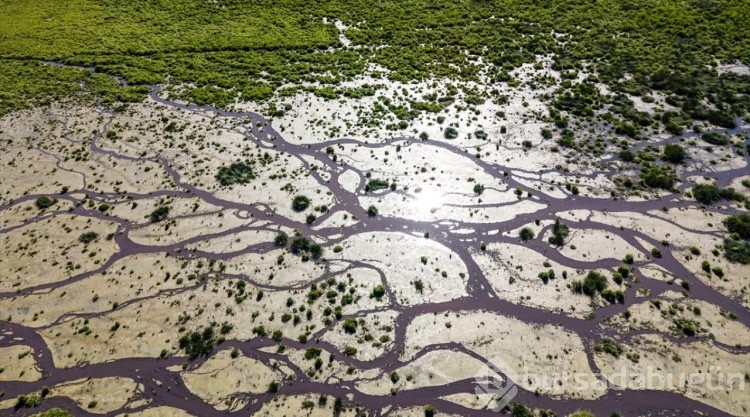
[374,208]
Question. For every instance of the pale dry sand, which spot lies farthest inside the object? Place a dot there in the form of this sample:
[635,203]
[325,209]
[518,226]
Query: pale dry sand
[18,364]
[713,320]
[707,363]
[471,400]
[288,405]
[376,324]
[99,395]
[681,239]
[158,412]
[591,245]
[399,257]
[415,412]
[49,251]
[128,279]
[435,368]
[222,380]
[513,346]
[513,271]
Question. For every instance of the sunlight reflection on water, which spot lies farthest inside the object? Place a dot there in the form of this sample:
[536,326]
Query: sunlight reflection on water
[427,201]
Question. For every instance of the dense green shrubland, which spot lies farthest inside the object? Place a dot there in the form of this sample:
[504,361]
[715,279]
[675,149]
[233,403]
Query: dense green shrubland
[229,48]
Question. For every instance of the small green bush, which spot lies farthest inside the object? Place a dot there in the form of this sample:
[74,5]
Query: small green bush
[450,133]
[627,155]
[737,251]
[88,237]
[372,211]
[674,153]
[378,292]
[739,224]
[236,173]
[44,202]
[609,346]
[273,387]
[350,325]
[281,239]
[593,283]
[376,185]
[709,193]
[559,233]
[526,234]
[159,214]
[300,203]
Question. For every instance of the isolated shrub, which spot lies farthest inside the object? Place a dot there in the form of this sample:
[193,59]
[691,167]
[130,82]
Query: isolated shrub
[429,411]
[372,211]
[378,292]
[198,342]
[350,325]
[44,202]
[739,224]
[55,412]
[316,251]
[310,218]
[609,346]
[723,119]
[520,410]
[273,387]
[715,138]
[88,237]
[627,155]
[613,296]
[300,203]
[338,405]
[376,184]
[281,239]
[450,133]
[299,244]
[237,173]
[674,153]
[559,233]
[709,193]
[159,214]
[28,401]
[526,234]
[737,251]
[593,283]
[478,189]
[706,193]
[656,176]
